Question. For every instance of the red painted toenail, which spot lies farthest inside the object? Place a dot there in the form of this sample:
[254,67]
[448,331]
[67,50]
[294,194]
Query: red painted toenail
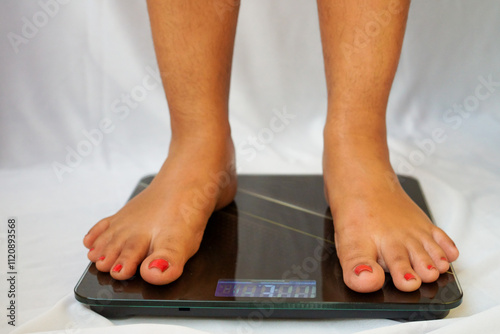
[101,258]
[444,259]
[409,277]
[430,267]
[90,250]
[160,264]
[362,267]
[117,268]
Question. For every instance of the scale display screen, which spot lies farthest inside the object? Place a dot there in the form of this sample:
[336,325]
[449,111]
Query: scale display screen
[266,288]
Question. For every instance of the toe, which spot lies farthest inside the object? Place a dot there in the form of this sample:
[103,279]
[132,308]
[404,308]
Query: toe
[438,255]
[360,269]
[107,257]
[162,267]
[99,246]
[364,275]
[95,232]
[133,252]
[166,262]
[446,244]
[422,263]
[403,275]
[108,248]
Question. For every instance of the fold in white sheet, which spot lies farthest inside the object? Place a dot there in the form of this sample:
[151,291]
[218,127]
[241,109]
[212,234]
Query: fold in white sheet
[70,317]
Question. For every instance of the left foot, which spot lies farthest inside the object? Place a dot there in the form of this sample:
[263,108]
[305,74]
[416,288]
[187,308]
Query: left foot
[378,228]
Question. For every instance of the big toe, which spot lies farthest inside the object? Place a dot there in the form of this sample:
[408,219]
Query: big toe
[161,268]
[166,263]
[362,274]
[361,271]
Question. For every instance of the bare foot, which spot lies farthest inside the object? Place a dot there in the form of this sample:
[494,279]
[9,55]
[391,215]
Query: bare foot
[378,228]
[163,226]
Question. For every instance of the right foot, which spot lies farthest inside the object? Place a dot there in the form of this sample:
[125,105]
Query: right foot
[162,227]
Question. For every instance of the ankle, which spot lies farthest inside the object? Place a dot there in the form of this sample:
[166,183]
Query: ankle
[356,164]
[208,134]
[200,120]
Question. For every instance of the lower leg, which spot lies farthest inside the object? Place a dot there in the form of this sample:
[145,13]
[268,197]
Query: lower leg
[360,66]
[194,48]
[162,227]
[378,227]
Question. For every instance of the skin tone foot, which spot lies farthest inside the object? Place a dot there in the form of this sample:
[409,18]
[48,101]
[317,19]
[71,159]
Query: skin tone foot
[378,228]
[162,227]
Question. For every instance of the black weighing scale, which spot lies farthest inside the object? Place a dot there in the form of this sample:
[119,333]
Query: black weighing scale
[269,254]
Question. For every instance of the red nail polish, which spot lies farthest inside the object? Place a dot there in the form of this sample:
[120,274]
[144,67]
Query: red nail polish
[362,267]
[117,268]
[409,277]
[430,267]
[90,250]
[101,258]
[160,264]
[444,259]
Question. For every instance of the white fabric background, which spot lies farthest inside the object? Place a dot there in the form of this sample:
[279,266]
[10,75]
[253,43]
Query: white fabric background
[69,74]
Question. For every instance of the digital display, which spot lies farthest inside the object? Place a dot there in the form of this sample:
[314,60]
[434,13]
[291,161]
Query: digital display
[266,288]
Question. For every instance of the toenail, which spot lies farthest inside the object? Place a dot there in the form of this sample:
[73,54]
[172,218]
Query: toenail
[117,268]
[409,277]
[444,259]
[160,264]
[430,267]
[101,258]
[362,267]
[90,250]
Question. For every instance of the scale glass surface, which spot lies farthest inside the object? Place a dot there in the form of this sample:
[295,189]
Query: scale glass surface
[269,254]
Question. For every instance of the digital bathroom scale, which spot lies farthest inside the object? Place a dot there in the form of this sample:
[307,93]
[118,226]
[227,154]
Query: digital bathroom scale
[269,254]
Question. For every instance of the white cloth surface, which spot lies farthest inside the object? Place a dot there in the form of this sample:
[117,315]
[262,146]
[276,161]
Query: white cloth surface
[66,68]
